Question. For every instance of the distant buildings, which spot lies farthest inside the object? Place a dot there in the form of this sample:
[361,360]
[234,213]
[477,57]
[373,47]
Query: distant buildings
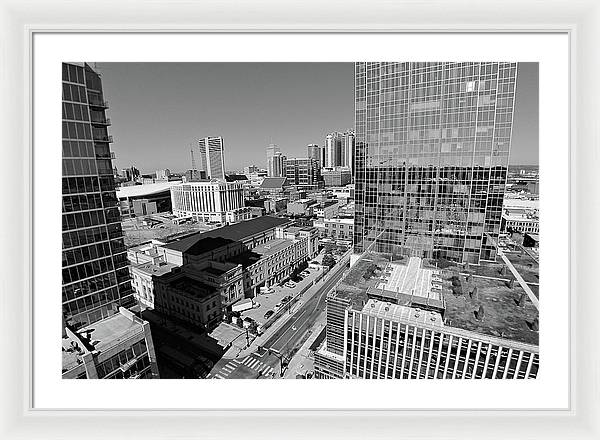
[314,151]
[163,174]
[276,165]
[275,187]
[140,200]
[339,149]
[272,150]
[214,201]
[301,207]
[130,174]
[433,185]
[521,214]
[212,157]
[251,169]
[101,339]
[303,172]
[336,176]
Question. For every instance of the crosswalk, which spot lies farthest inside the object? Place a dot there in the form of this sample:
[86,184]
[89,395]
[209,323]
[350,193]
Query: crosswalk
[250,362]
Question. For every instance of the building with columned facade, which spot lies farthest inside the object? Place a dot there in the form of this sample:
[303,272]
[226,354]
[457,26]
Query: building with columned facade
[214,201]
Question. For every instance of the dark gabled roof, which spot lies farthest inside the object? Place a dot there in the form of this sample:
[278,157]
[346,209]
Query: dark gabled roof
[236,232]
[235,177]
[208,244]
[273,182]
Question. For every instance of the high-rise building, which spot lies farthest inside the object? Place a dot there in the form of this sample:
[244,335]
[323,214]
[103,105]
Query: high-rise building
[272,149]
[276,165]
[339,149]
[302,171]
[95,273]
[432,149]
[101,338]
[333,150]
[314,152]
[348,150]
[212,157]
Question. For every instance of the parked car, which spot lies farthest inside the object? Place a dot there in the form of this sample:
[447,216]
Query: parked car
[278,305]
[290,284]
[269,314]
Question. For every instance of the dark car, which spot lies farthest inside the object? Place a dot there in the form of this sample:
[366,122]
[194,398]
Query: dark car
[269,314]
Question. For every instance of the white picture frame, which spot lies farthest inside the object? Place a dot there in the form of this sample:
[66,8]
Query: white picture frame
[20,21]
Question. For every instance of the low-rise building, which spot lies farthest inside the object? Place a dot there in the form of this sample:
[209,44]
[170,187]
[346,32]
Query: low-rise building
[274,187]
[335,228]
[520,220]
[140,200]
[183,295]
[327,209]
[301,207]
[336,176]
[143,277]
[117,347]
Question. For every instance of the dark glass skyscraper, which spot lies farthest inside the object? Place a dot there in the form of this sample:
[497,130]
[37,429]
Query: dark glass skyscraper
[432,150]
[95,274]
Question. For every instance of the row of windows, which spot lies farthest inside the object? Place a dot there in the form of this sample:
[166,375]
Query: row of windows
[76,130]
[86,270]
[73,111]
[75,93]
[85,253]
[78,149]
[90,302]
[95,284]
[73,73]
[78,185]
[114,362]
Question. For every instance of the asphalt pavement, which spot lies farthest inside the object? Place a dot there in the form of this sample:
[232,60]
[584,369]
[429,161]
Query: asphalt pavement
[290,334]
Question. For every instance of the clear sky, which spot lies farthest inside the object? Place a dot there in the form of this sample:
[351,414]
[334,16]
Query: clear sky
[159,109]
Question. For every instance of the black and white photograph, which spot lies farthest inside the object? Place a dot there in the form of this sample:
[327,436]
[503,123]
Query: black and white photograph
[306,220]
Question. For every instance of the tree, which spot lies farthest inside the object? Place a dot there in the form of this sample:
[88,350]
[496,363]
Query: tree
[328,260]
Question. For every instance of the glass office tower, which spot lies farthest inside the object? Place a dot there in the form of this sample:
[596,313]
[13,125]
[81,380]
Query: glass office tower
[95,274]
[432,149]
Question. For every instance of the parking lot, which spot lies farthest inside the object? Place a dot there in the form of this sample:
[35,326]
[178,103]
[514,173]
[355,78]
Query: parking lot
[266,302]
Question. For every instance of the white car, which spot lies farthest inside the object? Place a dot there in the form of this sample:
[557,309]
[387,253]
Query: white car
[290,284]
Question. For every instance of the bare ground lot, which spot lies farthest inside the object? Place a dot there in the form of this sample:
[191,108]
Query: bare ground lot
[135,232]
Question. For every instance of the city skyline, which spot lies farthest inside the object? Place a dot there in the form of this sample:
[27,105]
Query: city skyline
[265,103]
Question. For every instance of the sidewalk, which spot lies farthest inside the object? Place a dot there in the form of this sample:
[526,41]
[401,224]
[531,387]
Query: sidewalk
[302,362]
[234,352]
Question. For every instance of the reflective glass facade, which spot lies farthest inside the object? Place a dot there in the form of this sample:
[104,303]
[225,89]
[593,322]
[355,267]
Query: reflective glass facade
[432,151]
[95,271]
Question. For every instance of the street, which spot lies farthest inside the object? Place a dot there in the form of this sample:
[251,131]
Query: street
[282,342]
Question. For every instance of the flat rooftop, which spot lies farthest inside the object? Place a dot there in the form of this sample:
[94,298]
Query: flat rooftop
[155,269]
[382,309]
[100,336]
[371,279]
[272,246]
[410,279]
[148,189]
[245,259]
[193,288]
